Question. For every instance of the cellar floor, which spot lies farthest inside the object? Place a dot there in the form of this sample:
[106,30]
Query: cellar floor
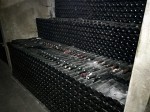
[14,97]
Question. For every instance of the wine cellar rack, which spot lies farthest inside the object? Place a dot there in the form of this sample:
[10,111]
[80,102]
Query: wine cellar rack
[81,60]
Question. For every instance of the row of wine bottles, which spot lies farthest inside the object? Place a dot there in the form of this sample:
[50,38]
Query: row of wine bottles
[67,79]
[111,39]
[126,11]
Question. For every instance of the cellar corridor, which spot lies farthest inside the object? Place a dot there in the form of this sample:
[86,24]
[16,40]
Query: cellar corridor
[74,56]
[13,97]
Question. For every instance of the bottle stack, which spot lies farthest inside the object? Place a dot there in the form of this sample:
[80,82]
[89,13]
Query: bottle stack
[110,39]
[82,59]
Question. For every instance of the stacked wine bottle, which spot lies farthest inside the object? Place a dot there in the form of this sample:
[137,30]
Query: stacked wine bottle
[81,60]
[111,39]
[68,78]
[125,11]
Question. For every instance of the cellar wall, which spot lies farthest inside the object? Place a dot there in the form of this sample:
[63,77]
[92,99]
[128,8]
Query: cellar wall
[18,17]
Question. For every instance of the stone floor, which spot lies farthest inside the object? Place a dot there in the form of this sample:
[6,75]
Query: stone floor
[14,97]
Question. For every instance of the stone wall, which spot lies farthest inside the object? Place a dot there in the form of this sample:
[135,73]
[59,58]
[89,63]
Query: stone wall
[18,17]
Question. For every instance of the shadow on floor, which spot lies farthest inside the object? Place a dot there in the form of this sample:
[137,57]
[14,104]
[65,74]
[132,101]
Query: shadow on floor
[14,97]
